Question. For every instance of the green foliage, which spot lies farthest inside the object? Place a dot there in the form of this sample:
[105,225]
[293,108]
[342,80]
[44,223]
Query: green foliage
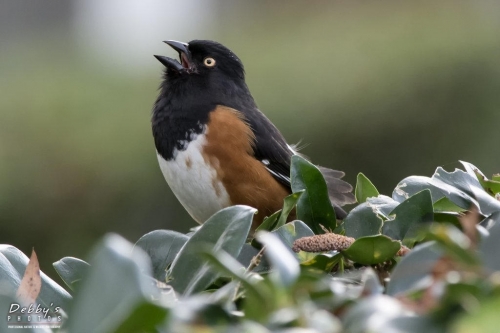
[71,270]
[314,207]
[371,250]
[216,279]
[364,188]
[162,246]
[227,230]
[12,266]
[278,219]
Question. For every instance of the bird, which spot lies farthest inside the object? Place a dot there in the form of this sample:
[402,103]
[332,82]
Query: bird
[214,146]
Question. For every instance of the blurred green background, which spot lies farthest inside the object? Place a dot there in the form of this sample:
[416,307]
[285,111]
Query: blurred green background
[387,88]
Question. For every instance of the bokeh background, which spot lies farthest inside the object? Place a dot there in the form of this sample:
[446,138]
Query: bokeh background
[387,88]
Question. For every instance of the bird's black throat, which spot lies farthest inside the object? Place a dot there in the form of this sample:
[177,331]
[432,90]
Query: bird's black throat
[184,105]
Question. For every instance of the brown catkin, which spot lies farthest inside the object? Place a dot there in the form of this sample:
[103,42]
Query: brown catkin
[330,242]
[320,243]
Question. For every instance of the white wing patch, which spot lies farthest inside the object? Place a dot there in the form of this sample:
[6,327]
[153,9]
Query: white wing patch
[278,175]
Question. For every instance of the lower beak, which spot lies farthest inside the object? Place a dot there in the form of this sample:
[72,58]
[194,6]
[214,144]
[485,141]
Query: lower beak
[184,56]
[169,62]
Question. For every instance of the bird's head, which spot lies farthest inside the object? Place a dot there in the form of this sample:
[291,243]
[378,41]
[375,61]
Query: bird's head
[207,73]
[202,58]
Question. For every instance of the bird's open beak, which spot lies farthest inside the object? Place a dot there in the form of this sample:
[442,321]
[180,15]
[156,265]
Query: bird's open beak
[184,56]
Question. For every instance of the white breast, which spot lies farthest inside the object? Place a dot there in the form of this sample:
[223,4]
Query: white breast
[194,182]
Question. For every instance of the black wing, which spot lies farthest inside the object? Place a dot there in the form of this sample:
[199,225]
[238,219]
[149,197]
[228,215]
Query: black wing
[270,147]
[273,151]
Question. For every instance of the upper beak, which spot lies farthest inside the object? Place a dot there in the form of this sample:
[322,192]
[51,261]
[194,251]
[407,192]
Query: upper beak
[184,56]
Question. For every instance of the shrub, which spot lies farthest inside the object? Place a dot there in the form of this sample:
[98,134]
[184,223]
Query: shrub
[424,259]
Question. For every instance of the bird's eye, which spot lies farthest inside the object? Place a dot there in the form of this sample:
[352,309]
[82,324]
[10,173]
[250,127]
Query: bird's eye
[209,62]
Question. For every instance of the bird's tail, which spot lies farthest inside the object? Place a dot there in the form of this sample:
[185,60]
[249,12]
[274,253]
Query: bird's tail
[339,191]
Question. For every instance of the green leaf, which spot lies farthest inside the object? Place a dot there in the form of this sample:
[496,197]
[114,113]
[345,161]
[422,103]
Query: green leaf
[454,242]
[362,221]
[9,275]
[259,297]
[71,270]
[374,314]
[162,246]
[323,261]
[449,217]
[115,290]
[446,205]
[226,264]
[144,318]
[371,282]
[269,223]
[414,269]
[314,206]
[198,314]
[288,234]
[364,188]
[458,294]
[496,177]
[285,266]
[489,248]
[439,189]
[484,319]
[227,230]
[291,232]
[413,324]
[371,250]
[471,169]
[13,263]
[279,218]
[289,204]
[470,185]
[382,205]
[490,186]
[410,214]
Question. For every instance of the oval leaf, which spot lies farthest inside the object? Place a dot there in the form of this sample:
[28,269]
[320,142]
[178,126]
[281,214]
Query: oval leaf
[116,279]
[409,215]
[161,246]
[269,222]
[322,261]
[383,205]
[489,247]
[289,204]
[372,250]
[371,313]
[439,189]
[12,267]
[364,188]
[71,270]
[227,230]
[362,221]
[291,232]
[314,206]
[471,186]
[414,269]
